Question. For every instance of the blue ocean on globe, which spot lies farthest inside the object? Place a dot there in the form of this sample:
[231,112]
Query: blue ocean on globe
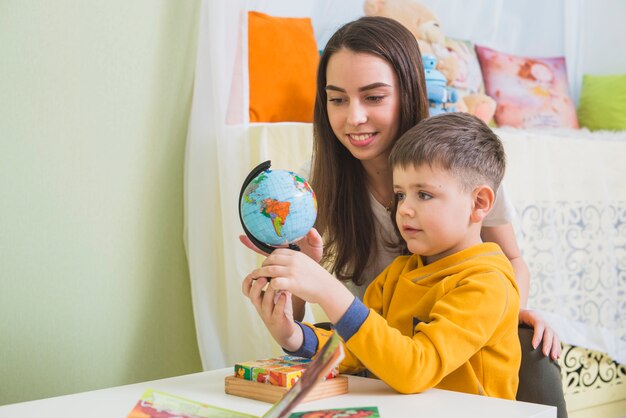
[278,207]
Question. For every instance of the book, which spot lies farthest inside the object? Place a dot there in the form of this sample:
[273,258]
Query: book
[322,364]
[154,403]
[358,412]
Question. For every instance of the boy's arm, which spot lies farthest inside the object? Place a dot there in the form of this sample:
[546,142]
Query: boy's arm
[314,340]
[461,323]
[300,275]
[346,322]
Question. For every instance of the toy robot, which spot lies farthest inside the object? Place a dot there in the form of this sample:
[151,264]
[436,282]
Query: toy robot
[440,97]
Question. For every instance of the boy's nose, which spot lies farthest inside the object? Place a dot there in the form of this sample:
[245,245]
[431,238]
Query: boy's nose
[405,210]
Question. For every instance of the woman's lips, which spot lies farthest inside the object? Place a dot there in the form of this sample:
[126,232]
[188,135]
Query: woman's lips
[362,140]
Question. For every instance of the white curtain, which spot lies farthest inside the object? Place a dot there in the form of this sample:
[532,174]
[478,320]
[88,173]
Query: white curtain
[222,146]
[217,161]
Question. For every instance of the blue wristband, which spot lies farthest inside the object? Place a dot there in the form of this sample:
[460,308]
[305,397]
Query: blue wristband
[352,320]
[309,343]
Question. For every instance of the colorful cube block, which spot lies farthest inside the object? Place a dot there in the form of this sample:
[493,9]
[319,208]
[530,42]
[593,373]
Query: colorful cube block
[279,371]
[285,376]
[261,374]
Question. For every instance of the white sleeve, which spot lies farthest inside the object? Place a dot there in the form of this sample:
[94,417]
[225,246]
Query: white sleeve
[305,170]
[503,211]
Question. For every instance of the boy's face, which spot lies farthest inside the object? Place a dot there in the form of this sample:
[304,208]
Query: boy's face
[433,213]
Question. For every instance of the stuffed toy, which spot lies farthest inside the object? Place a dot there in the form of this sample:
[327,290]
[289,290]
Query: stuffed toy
[479,105]
[428,31]
[441,97]
[423,24]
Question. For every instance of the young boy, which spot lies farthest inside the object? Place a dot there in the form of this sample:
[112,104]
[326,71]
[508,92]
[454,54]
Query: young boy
[443,317]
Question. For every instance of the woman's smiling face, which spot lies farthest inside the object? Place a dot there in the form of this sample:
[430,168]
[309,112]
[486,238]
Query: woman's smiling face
[363,103]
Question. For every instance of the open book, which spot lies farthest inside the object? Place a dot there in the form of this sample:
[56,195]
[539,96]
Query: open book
[154,403]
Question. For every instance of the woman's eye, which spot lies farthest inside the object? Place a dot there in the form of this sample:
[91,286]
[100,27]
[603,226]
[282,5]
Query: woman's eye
[424,196]
[375,99]
[399,196]
[335,100]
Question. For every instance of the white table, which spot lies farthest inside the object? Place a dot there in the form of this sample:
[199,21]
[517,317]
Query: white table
[208,387]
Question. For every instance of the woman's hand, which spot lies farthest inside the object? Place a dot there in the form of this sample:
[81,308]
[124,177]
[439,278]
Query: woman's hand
[275,309]
[542,332]
[311,244]
[246,241]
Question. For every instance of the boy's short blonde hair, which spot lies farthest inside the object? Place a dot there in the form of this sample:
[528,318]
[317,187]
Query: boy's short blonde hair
[458,142]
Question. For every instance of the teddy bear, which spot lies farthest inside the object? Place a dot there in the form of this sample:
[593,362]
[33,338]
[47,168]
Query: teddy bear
[428,31]
[479,105]
[423,24]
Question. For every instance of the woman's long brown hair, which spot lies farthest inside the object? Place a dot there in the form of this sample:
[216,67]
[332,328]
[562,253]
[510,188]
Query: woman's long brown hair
[345,217]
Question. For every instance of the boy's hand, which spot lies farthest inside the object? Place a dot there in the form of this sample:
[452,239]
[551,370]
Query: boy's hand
[275,310]
[295,272]
[299,274]
[542,332]
[311,244]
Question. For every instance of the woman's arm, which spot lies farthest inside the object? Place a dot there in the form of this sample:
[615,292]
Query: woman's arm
[504,236]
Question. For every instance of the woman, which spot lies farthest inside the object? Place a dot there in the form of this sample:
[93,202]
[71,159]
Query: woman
[370,90]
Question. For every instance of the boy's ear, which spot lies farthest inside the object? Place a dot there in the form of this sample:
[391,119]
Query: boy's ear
[484,197]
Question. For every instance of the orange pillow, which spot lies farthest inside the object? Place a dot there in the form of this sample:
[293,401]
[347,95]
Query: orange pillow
[282,65]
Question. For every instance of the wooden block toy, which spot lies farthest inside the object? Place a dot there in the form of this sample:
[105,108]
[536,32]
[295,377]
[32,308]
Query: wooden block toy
[270,393]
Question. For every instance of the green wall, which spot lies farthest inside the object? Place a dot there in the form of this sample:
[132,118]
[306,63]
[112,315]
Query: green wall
[94,102]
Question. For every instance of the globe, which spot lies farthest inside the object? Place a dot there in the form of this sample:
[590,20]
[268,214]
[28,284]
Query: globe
[277,207]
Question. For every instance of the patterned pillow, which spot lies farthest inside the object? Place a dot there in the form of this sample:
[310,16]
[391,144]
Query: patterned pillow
[470,78]
[530,92]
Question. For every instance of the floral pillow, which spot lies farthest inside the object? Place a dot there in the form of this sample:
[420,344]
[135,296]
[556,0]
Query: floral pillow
[470,77]
[529,92]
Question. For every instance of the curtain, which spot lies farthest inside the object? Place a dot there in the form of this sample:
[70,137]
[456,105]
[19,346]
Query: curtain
[222,146]
[217,161]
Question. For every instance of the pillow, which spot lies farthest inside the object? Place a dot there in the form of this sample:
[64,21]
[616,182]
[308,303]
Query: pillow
[529,92]
[602,102]
[470,78]
[282,65]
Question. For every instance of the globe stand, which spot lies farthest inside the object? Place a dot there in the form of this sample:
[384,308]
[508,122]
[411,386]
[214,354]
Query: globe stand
[264,166]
